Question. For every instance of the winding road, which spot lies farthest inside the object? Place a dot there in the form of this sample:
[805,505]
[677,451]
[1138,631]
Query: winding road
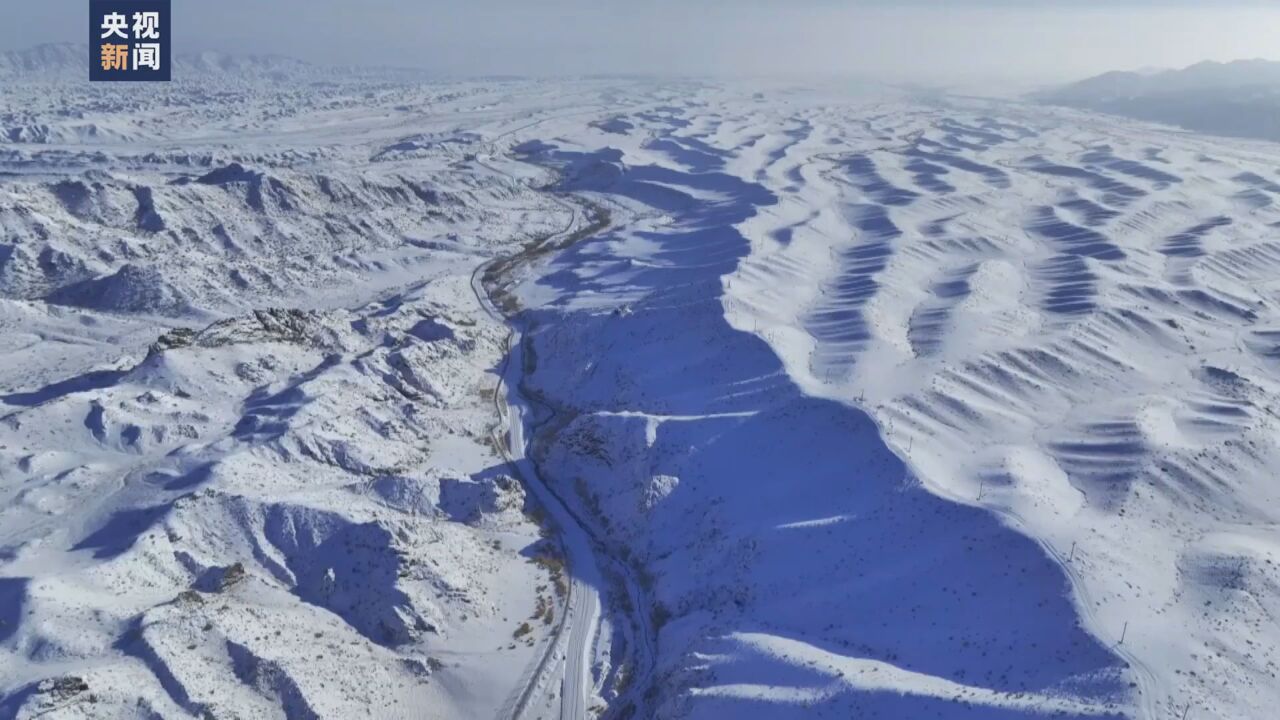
[566,662]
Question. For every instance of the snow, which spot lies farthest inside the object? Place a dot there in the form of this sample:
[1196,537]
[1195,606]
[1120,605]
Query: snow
[392,397]
[1096,398]
[246,466]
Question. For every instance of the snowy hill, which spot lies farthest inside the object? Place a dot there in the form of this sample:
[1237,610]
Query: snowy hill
[245,466]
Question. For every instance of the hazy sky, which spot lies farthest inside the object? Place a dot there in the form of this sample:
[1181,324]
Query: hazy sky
[911,39]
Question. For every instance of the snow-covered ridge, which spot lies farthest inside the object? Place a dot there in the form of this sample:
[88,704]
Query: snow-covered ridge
[176,239]
[50,58]
[48,99]
[69,61]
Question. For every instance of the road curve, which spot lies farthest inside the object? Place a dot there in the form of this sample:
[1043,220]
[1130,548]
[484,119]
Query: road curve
[574,639]
[575,635]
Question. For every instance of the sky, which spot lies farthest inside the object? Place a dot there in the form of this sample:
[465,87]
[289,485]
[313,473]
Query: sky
[920,40]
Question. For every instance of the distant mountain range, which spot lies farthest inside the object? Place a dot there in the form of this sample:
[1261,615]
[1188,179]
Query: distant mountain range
[1240,98]
[42,59]
[69,61]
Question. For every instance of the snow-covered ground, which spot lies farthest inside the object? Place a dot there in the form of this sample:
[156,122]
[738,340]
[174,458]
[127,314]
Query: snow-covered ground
[246,467]
[904,405]
[816,402]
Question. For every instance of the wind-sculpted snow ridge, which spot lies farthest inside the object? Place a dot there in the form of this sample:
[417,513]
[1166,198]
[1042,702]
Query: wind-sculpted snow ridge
[791,556]
[952,412]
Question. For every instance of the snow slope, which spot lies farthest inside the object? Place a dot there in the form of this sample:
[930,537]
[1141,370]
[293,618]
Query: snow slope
[958,411]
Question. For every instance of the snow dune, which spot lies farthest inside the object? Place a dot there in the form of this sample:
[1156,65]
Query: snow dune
[758,509]
[965,400]
[1072,353]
